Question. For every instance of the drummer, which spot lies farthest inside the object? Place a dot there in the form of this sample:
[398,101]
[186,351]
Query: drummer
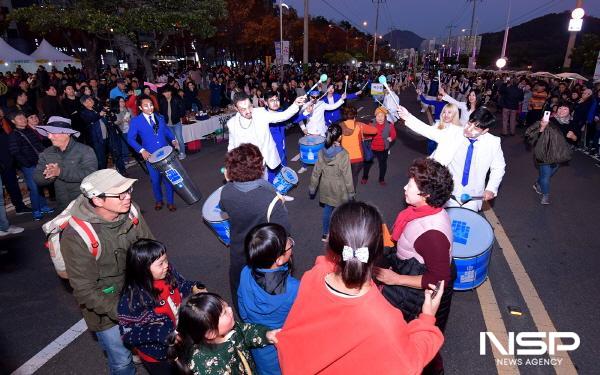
[314,112]
[423,236]
[469,153]
[332,97]
[155,134]
[277,132]
[252,126]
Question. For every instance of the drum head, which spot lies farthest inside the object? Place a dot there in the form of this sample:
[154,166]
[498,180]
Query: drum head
[311,140]
[289,175]
[472,233]
[211,210]
[160,154]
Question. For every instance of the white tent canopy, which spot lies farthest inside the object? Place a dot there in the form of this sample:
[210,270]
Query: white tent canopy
[11,57]
[46,53]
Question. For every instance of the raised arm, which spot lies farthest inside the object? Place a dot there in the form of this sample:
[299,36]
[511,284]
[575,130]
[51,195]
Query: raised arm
[418,126]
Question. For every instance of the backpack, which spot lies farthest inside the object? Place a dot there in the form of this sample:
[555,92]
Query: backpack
[86,231]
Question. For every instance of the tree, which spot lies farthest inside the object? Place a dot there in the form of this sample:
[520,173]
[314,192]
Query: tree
[126,22]
[586,52]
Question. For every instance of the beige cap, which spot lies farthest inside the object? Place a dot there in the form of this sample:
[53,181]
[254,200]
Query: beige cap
[105,181]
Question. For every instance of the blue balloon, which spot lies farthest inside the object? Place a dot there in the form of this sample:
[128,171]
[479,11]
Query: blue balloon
[382,79]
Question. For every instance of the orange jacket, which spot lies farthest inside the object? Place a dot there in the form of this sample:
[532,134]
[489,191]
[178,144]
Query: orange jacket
[352,140]
[328,334]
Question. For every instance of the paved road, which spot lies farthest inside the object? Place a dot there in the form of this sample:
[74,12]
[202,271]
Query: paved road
[556,244]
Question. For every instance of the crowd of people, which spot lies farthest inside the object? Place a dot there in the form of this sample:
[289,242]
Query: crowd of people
[63,130]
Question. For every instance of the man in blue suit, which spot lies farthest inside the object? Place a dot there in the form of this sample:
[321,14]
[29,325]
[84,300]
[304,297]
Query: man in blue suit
[154,133]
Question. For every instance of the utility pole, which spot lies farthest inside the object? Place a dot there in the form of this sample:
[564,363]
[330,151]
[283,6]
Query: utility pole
[571,44]
[281,40]
[377,2]
[305,49]
[472,63]
[450,27]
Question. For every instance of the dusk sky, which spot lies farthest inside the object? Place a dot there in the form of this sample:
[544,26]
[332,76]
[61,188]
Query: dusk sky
[429,18]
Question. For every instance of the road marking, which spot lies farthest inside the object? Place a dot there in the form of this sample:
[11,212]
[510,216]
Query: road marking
[52,349]
[494,323]
[534,303]
[296,158]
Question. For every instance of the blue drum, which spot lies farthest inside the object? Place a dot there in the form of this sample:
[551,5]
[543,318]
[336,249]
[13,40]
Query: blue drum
[285,180]
[309,148]
[215,218]
[472,247]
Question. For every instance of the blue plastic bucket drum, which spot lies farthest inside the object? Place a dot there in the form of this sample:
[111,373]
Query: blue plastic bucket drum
[215,218]
[309,148]
[285,180]
[472,247]
[165,161]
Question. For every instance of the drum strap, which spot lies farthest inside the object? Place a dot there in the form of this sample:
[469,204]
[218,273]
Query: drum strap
[272,206]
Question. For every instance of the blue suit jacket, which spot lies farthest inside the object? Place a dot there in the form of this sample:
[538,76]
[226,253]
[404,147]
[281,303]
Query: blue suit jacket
[150,141]
[335,115]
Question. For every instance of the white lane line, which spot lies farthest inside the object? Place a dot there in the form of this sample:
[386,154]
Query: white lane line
[296,158]
[534,303]
[52,349]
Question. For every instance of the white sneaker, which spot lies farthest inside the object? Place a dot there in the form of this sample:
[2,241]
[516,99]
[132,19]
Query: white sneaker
[302,170]
[287,198]
[11,230]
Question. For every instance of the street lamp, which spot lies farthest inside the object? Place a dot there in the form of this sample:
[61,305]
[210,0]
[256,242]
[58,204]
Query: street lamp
[501,63]
[365,23]
[575,25]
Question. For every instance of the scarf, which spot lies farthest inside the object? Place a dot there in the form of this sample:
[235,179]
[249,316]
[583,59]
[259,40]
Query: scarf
[409,214]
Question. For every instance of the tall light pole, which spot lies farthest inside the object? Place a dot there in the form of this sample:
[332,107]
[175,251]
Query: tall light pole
[281,5]
[501,62]
[577,14]
[376,26]
[305,47]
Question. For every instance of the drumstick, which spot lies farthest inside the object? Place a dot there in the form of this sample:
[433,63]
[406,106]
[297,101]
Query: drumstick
[466,197]
[365,85]
[346,85]
[323,78]
[383,81]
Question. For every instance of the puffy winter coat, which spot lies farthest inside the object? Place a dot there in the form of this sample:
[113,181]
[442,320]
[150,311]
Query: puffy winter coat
[549,146]
[333,176]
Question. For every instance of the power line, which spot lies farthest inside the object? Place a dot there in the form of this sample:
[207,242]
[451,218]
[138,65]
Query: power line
[527,14]
[341,14]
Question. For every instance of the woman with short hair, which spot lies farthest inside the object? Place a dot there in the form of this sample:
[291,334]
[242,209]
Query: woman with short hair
[246,198]
[423,256]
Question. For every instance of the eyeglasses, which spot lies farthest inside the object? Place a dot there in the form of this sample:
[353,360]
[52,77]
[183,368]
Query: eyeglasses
[121,196]
[292,243]
[273,100]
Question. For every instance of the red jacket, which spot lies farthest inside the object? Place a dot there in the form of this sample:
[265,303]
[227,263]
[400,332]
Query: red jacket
[328,334]
[378,142]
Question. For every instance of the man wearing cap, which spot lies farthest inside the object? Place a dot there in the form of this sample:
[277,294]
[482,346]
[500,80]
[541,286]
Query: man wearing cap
[118,90]
[155,134]
[95,258]
[252,126]
[65,163]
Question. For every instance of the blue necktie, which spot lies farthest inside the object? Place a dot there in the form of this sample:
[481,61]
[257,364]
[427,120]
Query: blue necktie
[154,125]
[465,176]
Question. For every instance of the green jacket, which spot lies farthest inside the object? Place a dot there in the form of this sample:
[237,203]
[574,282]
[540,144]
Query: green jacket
[333,176]
[97,283]
[76,162]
